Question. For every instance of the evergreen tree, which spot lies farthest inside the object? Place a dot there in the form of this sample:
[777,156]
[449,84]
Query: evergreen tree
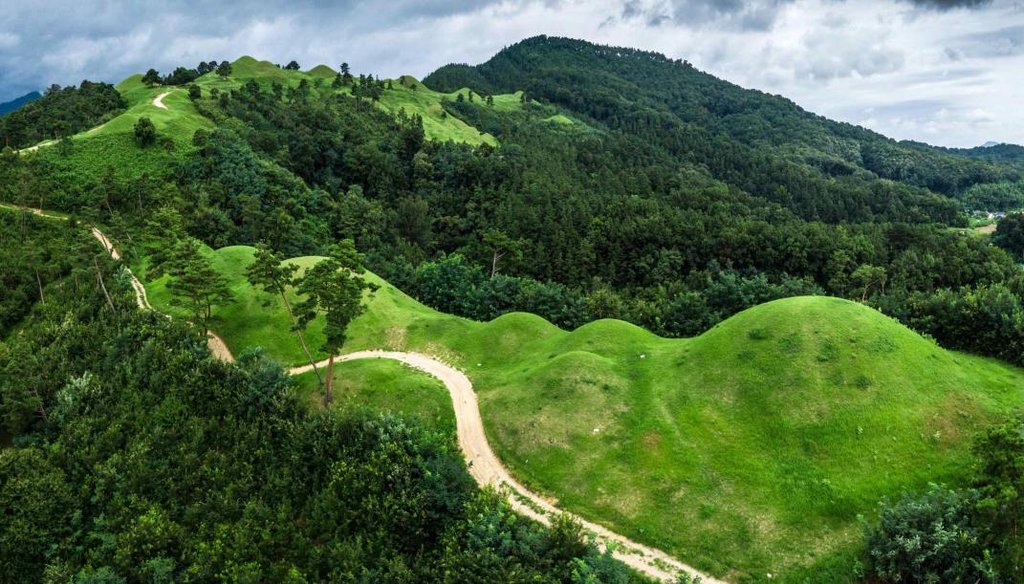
[334,288]
[269,273]
[152,77]
[195,285]
[145,132]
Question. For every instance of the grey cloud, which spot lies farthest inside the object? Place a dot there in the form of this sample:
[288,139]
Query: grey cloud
[912,108]
[743,15]
[836,54]
[932,78]
[1004,42]
[950,4]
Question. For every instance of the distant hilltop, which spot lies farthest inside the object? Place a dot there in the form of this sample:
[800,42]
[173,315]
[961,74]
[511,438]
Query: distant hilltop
[10,106]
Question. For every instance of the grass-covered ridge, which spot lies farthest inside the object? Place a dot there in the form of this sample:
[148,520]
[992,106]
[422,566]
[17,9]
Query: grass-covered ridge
[748,450]
[181,119]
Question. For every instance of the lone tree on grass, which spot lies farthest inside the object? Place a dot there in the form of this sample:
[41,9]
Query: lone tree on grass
[195,285]
[194,92]
[292,66]
[334,288]
[145,132]
[267,272]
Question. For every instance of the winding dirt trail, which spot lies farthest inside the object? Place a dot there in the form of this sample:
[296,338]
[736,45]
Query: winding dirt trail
[484,466]
[487,470]
[158,101]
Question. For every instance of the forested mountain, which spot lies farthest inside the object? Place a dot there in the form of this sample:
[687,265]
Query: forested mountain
[10,106]
[993,152]
[710,121]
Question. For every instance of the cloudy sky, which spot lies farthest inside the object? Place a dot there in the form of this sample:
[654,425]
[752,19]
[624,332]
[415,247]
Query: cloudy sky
[947,72]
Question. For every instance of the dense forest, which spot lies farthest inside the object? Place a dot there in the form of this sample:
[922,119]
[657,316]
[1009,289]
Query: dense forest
[62,111]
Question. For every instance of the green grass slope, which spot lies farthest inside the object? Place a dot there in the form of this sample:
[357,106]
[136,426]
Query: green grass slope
[380,385]
[748,450]
[111,146]
[416,98]
[322,71]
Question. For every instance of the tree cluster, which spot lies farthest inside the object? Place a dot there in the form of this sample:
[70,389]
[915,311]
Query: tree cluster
[185,75]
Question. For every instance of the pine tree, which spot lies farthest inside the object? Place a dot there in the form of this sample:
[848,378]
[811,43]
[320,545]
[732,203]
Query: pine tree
[334,288]
[269,273]
[195,285]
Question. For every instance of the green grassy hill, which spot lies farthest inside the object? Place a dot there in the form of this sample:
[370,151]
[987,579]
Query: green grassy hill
[415,98]
[181,119]
[748,450]
[111,146]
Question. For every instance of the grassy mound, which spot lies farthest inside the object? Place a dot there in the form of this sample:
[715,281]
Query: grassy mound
[748,450]
[322,71]
[386,386]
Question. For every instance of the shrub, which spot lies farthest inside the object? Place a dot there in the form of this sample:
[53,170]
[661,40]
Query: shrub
[145,132]
[927,538]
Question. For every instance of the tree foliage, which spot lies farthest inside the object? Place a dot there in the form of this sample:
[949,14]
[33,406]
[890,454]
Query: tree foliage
[145,132]
[195,285]
[61,112]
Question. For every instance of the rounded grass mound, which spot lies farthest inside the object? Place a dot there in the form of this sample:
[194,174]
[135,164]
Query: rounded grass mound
[748,450]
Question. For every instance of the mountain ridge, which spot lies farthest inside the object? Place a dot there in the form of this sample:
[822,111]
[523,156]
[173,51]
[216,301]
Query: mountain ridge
[623,87]
[12,105]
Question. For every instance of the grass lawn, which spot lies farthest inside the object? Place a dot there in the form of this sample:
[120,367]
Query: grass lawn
[748,450]
[381,385]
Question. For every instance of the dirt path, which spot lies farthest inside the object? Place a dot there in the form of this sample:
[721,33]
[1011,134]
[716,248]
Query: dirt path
[486,469]
[158,101]
[218,348]
[484,465]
